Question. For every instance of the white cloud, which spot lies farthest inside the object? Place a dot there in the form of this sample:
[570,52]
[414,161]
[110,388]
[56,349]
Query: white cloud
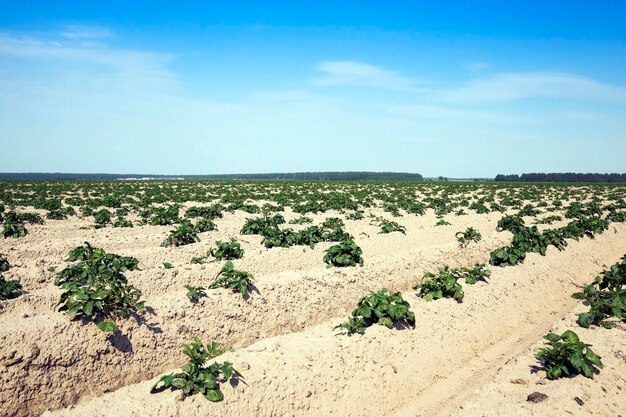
[476,65]
[117,65]
[361,74]
[85,32]
[433,112]
[583,116]
[515,86]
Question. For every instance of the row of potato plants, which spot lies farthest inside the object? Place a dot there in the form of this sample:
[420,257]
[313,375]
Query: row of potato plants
[147,199]
[566,355]
[8,288]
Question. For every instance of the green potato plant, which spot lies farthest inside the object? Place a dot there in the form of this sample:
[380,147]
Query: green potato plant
[469,235]
[96,288]
[355,215]
[530,239]
[442,285]
[205,225]
[32,218]
[229,277]
[184,234]
[194,293]
[162,216]
[442,222]
[379,307]
[281,238]
[208,212]
[13,226]
[585,226]
[567,356]
[511,223]
[9,289]
[606,297]
[549,219]
[102,217]
[616,216]
[301,220]
[479,272]
[227,250]
[122,222]
[4,263]
[387,226]
[346,253]
[529,210]
[257,226]
[196,377]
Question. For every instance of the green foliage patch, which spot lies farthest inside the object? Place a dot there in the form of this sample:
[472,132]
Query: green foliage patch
[196,378]
[9,289]
[441,285]
[4,263]
[96,288]
[226,250]
[379,307]
[388,226]
[606,297]
[445,284]
[13,226]
[194,293]
[567,356]
[184,234]
[346,253]
[229,277]
[257,226]
[531,240]
[442,222]
[102,217]
[469,235]
[301,220]
[122,222]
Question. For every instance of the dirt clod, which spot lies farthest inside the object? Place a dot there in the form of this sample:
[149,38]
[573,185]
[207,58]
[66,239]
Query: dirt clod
[536,397]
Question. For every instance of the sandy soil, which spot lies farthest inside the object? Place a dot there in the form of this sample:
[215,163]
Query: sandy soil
[282,335]
[507,392]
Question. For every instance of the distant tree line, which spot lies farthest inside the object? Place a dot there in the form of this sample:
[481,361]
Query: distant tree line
[303,176]
[331,176]
[73,176]
[561,177]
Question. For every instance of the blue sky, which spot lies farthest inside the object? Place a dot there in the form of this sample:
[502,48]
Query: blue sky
[438,88]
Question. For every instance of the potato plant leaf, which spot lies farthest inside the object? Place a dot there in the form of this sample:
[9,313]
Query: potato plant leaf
[107,326]
[566,356]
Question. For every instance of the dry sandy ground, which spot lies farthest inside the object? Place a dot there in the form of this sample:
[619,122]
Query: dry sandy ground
[506,394]
[293,362]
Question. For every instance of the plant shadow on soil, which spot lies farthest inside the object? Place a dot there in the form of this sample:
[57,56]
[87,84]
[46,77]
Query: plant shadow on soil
[397,325]
[539,367]
[402,325]
[234,381]
[251,288]
[119,340]
[141,320]
[535,369]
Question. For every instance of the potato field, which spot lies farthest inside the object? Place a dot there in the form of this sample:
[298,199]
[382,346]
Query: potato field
[293,298]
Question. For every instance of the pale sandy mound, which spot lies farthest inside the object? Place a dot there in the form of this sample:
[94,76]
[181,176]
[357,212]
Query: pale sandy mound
[454,350]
